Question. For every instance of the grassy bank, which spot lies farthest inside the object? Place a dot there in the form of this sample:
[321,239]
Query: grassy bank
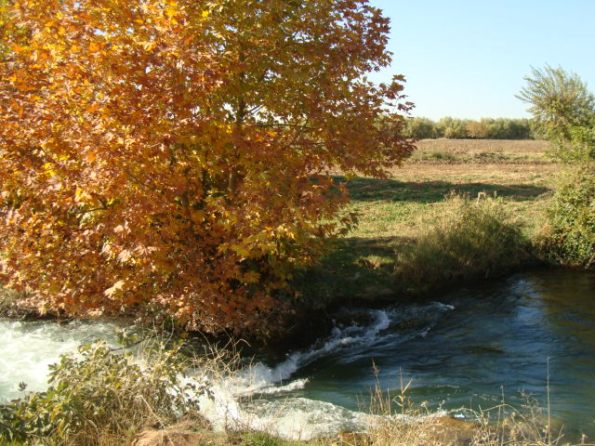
[397,213]
[401,211]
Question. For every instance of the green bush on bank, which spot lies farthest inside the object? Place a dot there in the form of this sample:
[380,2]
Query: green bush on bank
[473,240]
[579,147]
[569,237]
[98,397]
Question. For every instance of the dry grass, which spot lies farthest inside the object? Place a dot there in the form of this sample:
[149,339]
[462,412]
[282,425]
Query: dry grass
[482,151]
[414,195]
[402,423]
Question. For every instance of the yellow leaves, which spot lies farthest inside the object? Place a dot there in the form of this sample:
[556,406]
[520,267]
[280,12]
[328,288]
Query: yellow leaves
[191,151]
[49,169]
[94,47]
[284,231]
[198,216]
[242,251]
[79,194]
[22,81]
[171,11]
[115,290]
[19,49]
[90,156]
[149,45]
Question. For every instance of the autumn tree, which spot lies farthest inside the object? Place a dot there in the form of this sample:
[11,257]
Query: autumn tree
[176,154]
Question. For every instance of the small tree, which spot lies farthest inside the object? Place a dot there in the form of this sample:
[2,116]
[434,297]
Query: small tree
[176,153]
[563,111]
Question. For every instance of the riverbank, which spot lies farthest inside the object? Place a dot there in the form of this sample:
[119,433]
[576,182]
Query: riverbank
[457,351]
[397,212]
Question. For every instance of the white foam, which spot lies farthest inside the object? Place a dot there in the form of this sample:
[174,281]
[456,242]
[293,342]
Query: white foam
[251,398]
[28,348]
[230,404]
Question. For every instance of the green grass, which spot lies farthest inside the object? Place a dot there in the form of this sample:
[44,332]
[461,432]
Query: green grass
[472,240]
[395,212]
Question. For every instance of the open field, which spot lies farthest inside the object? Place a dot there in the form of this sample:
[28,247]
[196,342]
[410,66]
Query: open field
[396,211]
[482,151]
[405,203]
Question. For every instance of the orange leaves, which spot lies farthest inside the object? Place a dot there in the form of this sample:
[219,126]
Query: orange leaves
[174,153]
[115,290]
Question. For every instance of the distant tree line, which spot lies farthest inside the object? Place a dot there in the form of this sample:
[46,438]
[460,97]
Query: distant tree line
[485,128]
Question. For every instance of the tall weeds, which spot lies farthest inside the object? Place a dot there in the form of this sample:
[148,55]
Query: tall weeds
[398,421]
[474,239]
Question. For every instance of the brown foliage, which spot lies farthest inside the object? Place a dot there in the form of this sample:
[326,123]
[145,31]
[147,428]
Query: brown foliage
[177,152]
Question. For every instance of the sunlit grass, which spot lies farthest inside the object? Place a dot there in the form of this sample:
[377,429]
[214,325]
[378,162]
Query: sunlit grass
[396,211]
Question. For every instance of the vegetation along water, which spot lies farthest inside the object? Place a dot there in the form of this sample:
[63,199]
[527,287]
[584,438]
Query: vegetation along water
[466,349]
[225,171]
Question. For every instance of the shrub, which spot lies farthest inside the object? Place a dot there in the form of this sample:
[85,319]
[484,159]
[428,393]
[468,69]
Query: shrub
[569,237]
[421,128]
[474,240]
[98,397]
[578,147]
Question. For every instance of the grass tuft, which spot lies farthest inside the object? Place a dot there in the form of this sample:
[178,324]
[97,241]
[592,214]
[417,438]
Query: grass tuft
[472,240]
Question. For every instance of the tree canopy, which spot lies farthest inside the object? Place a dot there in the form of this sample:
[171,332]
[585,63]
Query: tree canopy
[563,111]
[176,154]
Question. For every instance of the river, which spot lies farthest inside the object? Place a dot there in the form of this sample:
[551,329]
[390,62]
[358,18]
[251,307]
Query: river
[471,347]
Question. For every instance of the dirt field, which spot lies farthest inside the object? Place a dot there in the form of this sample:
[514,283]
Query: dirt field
[482,151]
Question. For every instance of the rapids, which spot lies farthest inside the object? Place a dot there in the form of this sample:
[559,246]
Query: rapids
[466,348]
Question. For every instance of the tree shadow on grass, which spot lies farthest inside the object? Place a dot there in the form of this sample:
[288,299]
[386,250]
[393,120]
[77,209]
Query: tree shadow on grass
[355,269]
[374,189]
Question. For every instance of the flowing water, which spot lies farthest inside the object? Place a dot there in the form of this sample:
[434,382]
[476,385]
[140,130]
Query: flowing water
[467,348]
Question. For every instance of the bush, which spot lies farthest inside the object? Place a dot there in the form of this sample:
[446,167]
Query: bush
[474,240]
[578,147]
[569,237]
[421,128]
[98,397]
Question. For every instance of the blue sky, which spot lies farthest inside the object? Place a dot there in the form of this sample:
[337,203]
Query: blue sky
[467,58]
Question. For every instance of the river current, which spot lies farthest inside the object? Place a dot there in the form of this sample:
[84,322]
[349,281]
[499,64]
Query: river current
[469,348]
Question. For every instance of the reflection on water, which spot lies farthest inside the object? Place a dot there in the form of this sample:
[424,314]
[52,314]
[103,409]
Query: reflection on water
[498,339]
